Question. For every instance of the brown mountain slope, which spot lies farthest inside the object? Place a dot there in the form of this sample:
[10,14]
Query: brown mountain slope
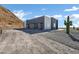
[8,19]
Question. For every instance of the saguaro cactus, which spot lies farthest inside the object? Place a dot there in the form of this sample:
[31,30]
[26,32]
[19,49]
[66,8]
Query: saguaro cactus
[68,23]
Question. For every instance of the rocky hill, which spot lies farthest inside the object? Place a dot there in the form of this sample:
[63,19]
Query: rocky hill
[8,19]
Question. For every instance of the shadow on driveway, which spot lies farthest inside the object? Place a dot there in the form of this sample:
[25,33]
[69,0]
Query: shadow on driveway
[33,31]
[73,37]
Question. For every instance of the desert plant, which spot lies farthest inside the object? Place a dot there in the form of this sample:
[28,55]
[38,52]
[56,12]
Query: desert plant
[67,23]
[0,31]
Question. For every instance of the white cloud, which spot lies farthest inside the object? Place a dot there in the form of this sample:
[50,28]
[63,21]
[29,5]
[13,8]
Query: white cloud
[66,16]
[57,16]
[43,9]
[37,16]
[74,18]
[74,8]
[21,14]
[76,24]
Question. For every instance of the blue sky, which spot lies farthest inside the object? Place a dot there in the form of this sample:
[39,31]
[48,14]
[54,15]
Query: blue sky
[59,11]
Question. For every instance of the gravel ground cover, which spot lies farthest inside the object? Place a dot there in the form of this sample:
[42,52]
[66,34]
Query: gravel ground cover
[19,42]
[63,38]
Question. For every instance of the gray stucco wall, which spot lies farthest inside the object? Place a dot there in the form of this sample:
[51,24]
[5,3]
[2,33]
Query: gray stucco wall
[54,23]
[47,23]
[42,22]
[36,23]
[36,20]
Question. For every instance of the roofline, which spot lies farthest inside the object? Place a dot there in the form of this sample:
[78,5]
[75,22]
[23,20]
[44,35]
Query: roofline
[42,16]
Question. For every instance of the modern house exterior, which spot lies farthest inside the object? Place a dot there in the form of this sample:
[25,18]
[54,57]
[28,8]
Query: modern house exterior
[42,23]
